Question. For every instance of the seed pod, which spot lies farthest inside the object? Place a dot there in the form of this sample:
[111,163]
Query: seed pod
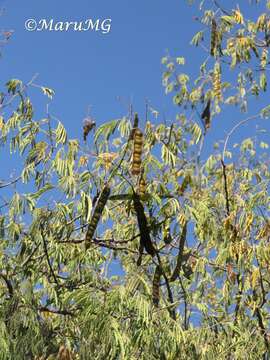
[142,186]
[156,286]
[145,239]
[99,207]
[135,126]
[137,152]
[217,82]
[206,115]
[180,253]
[214,38]
[88,125]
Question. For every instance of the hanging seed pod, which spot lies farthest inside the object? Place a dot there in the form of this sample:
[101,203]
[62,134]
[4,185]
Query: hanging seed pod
[214,38]
[135,126]
[137,152]
[206,115]
[142,185]
[180,253]
[156,286]
[88,125]
[99,207]
[145,239]
[216,79]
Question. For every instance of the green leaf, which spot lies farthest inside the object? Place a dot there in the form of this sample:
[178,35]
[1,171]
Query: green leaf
[60,134]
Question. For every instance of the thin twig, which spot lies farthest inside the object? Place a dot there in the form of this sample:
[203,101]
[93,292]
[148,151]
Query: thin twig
[10,182]
[233,130]
[226,187]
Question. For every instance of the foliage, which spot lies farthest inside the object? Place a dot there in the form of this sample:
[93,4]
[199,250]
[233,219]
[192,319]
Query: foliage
[191,244]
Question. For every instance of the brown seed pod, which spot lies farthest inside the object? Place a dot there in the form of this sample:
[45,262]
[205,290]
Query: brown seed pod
[216,80]
[156,286]
[214,38]
[145,239]
[99,207]
[135,126]
[206,115]
[88,125]
[142,186]
[137,152]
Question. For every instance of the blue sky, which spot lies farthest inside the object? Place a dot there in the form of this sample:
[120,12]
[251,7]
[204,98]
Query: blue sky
[93,68]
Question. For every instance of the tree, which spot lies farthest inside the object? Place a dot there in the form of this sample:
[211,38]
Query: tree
[188,228]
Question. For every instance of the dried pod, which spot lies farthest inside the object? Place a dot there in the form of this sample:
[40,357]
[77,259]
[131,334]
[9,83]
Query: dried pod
[214,38]
[88,125]
[145,239]
[217,82]
[99,207]
[137,152]
[135,126]
[156,286]
[142,186]
[206,115]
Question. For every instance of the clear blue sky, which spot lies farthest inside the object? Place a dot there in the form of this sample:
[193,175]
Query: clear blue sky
[93,68]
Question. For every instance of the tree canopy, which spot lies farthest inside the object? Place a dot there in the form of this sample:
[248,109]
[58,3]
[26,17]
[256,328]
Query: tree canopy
[134,242]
